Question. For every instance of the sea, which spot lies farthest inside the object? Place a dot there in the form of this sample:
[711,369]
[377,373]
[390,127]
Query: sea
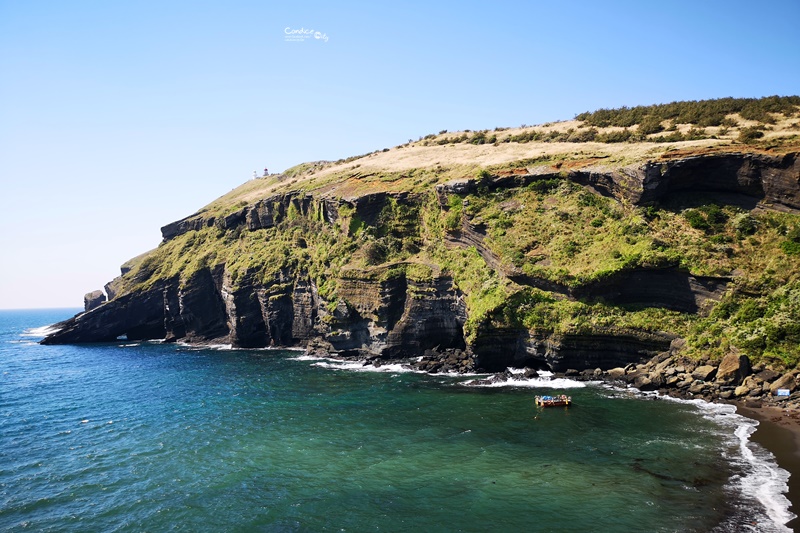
[155,437]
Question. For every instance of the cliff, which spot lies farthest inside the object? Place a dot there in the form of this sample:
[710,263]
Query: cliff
[551,254]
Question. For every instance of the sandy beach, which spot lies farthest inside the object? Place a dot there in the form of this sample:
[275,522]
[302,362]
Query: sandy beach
[779,432]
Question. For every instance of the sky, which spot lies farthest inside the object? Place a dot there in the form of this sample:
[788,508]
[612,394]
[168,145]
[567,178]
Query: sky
[118,117]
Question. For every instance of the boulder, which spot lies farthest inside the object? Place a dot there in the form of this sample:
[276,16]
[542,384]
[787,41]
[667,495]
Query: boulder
[663,365]
[705,372]
[697,387]
[616,373]
[658,379]
[643,383]
[530,373]
[750,383]
[677,345]
[786,381]
[733,369]
[631,377]
[768,375]
[93,299]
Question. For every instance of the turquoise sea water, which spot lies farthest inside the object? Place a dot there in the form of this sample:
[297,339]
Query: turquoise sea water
[152,437]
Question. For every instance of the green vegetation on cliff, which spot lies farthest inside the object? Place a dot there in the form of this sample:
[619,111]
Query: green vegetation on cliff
[548,255]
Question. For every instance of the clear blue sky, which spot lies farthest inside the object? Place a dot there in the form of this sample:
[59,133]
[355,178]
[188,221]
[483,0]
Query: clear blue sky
[117,117]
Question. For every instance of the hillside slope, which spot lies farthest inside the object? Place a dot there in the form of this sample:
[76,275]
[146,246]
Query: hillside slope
[578,244]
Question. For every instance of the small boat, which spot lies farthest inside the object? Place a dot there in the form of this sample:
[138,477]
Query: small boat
[562,400]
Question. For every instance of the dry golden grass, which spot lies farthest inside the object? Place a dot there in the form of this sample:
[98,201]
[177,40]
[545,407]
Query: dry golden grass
[357,176]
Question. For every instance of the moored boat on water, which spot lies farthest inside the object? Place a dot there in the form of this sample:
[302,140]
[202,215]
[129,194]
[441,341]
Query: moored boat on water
[561,400]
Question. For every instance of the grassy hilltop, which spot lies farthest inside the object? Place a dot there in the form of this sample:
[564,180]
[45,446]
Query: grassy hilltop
[565,235]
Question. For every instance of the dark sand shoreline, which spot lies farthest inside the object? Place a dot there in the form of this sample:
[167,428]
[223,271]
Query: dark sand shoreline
[779,432]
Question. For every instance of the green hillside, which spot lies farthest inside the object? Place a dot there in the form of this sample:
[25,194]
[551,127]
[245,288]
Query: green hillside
[549,245]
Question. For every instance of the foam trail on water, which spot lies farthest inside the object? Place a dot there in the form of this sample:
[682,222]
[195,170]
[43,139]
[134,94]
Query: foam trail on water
[762,480]
[355,366]
[766,482]
[41,331]
[363,366]
[307,357]
[206,346]
[358,366]
[545,380]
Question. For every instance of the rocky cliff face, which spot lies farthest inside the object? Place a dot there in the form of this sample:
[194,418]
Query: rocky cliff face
[395,317]
[773,181]
[388,312]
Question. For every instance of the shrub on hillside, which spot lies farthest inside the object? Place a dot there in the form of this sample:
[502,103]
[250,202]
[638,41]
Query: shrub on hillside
[614,136]
[745,224]
[673,137]
[452,221]
[703,113]
[544,186]
[748,135]
[650,124]
[790,247]
[696,219]
[375,253]
[582,136]
[695,134]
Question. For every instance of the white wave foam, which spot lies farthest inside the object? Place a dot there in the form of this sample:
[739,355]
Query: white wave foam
[362,366]
[766,482]
[230,347]
[762,481]
[358,366]
[545,380]
[307,357]
[206,346]
[218,347]
[42,331]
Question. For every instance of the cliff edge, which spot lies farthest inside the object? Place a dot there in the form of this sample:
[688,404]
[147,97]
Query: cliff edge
[483,250]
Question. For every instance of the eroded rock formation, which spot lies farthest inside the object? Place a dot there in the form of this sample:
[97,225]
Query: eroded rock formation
[93,299]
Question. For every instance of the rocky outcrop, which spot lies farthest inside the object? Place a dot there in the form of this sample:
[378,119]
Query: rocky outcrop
[137,315]
[748,179]
[93,299]
[670,288]
[731,379]
[497,349]
[772,180]
[391,317]
[191,223]
[268,212]
[433,316]
[114,287]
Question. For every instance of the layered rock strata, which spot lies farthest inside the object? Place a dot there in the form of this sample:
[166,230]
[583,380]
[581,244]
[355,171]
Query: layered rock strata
[400,316]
